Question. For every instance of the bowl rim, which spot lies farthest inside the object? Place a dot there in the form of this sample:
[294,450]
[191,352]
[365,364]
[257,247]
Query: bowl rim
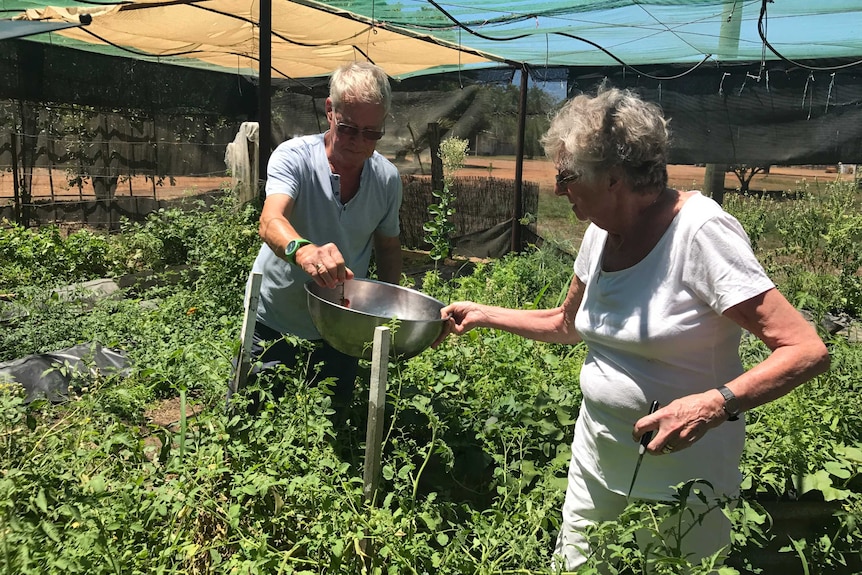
[311,283]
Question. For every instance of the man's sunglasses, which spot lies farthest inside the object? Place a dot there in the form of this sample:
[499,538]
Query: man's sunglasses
[565,179]
[348,130]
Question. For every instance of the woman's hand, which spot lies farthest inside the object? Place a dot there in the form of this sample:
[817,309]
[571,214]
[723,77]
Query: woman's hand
[682,422]
[460,318]
[556,325]
[798,354]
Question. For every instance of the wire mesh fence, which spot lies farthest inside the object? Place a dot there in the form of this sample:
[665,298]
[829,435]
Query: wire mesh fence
[80,166]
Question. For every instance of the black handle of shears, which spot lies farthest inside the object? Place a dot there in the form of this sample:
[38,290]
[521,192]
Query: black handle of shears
[647,437]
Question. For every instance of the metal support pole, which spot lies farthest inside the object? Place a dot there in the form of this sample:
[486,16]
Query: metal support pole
[518,212]
[728,48]
[264,73]
[16,189]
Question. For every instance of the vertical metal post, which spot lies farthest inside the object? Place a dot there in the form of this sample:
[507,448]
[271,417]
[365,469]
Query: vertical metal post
[728,48]
[518,212]
[264,73]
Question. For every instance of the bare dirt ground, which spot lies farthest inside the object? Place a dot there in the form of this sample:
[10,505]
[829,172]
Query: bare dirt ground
[45,184]
[685,177]
[541,171]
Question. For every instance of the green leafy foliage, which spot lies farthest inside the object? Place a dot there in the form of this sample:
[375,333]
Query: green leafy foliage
[439,230]
[813,252]
[44,256]
[475,449]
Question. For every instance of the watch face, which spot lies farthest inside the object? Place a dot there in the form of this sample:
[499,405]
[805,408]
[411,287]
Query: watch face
[292,247]
[731,405]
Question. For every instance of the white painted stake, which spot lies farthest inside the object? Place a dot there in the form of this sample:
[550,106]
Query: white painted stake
[252,296]
[376,409]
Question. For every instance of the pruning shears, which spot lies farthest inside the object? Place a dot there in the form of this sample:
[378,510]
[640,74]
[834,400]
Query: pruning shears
[645,439]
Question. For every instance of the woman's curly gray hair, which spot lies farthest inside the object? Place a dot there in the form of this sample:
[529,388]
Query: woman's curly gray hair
[590,135]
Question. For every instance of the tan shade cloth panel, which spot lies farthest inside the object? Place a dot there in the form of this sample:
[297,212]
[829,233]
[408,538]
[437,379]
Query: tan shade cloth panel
[307,39]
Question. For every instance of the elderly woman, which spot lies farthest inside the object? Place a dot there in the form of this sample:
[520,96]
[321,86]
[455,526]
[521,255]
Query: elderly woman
[664,283]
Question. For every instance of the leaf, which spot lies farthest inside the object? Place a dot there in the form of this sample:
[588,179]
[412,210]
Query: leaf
[852,453]
[338,549]
[41,500]
[50,531]
[837,469]
[96,484]
[428,520]
[799,547]
[821,481]
[405,471]
[564,416]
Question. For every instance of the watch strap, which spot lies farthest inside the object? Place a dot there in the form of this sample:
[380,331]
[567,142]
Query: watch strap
[293,247]
[731,405]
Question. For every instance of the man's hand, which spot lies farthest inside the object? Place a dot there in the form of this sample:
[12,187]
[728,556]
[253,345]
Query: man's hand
[324,264]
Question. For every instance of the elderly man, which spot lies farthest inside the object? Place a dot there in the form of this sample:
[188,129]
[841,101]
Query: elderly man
[331,199]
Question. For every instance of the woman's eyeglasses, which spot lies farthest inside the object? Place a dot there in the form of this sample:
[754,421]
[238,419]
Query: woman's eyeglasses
[563,179]
[348,130]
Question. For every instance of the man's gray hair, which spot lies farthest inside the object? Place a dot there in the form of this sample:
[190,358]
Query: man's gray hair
[360,82]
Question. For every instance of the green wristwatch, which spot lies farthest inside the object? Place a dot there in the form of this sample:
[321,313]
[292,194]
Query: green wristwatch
[292,247]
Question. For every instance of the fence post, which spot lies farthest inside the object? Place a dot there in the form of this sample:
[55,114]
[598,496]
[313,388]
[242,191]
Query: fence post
[16,191]
[713,181]
[376,409]
[436,160]
[376,414]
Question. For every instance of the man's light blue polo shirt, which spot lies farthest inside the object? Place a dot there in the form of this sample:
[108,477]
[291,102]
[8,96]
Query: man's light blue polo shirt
[300,168]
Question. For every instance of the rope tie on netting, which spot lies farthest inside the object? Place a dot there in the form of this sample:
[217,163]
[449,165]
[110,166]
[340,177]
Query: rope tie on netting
[721,84]
[808,80]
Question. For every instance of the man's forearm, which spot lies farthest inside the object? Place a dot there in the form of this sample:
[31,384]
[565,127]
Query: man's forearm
[389,265]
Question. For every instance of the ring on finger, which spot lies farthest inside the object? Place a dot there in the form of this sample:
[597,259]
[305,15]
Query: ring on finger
[667,449]
[320,268]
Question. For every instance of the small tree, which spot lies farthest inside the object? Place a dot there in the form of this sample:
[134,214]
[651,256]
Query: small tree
[439,230]
[746,173]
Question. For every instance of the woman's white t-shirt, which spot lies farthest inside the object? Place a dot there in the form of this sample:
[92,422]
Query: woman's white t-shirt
[655,331]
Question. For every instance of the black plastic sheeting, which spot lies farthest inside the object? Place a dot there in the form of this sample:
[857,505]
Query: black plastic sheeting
[775,112]
[771,113]
[37,72]
[48,375]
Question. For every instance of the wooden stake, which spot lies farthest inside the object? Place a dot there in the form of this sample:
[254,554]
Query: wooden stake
[374,432]
[376,409]
[252,296]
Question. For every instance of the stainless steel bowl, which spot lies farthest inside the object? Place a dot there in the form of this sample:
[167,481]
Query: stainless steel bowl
[350,328]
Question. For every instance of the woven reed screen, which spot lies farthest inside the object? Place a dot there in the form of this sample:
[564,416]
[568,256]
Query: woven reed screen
[484,207]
